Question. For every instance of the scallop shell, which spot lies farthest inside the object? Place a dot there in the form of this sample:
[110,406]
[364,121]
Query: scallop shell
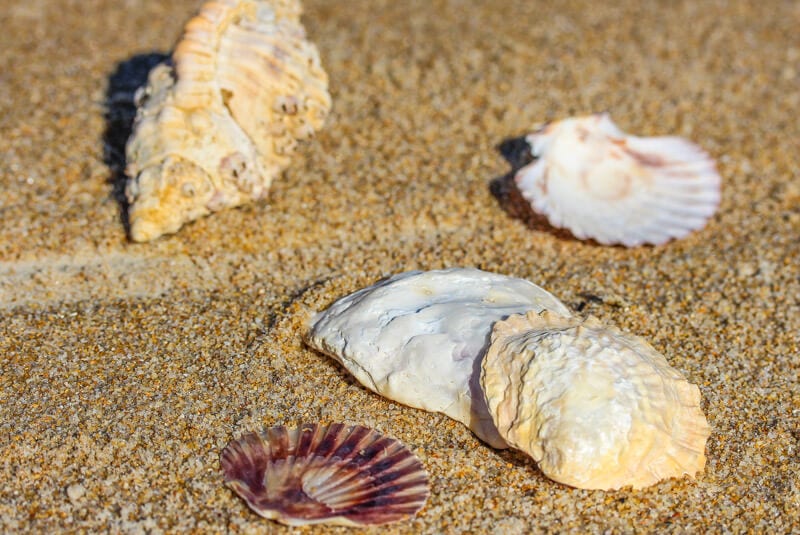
[598,182]
[596,408]
[418,337]
[220,120]
[331,474]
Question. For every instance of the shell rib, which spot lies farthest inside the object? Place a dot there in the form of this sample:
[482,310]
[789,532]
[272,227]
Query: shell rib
[418,337]
[596,408]
[331,474]
[220,120]
[598,182]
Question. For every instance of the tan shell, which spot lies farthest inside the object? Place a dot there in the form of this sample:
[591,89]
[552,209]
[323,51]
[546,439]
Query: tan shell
[600,183]
[596,408]
[325,474]
[221,120]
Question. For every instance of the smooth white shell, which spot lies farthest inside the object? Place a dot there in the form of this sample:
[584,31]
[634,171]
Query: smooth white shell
[418,337]
[596,408]
[220,120]
[598,182]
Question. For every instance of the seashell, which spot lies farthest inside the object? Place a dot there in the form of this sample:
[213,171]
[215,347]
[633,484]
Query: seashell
[418,337]
[596,408]
[332,474]
[600,183]
[220,120]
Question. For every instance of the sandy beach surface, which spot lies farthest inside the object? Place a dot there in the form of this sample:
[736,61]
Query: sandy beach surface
[126,368]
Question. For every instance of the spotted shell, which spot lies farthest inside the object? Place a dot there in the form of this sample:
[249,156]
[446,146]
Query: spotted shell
[594,407]
[418,337]
[600,183]
[220,120]
[325,474]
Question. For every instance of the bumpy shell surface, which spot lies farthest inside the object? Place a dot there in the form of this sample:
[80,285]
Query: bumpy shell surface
[418,337]
[596,408]
[219,121]
[598,182]
[315,474]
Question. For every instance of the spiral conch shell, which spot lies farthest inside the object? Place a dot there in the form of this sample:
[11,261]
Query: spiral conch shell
[600,183]
[220,120]
[418,337]
[596,408]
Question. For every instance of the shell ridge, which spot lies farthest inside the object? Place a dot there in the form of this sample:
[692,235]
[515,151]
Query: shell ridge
[522,422]
[307,439]
[312,463]
[343,456]
[212,20]
[285,56]
[340,498]
[293,48]
[251,451]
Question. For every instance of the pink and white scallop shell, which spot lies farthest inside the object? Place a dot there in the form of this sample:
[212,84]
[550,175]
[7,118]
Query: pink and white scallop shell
[220,120]
[596,408]
[325,474]
[600,183]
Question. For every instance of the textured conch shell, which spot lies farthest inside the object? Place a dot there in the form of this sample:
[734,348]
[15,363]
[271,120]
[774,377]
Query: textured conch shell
[596,408]
[598,182]
[418,337]
[219,121]
[320,474]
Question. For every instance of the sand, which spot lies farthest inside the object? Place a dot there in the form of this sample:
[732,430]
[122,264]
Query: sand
[126,368]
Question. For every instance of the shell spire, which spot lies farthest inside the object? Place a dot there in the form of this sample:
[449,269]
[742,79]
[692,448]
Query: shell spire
[600,183]
[596,408]
[220,120]
[195,85]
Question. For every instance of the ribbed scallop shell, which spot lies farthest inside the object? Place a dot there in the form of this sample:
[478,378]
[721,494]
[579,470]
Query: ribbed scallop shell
[598,182]
[418,337]
[332,474]
[219,121]
[596,408]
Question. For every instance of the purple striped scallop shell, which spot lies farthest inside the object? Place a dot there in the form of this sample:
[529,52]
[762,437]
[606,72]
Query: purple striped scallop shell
[332,474]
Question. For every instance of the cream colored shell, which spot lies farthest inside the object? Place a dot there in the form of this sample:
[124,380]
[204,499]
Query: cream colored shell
[600,183]
[219,121]
[418,337]
[596,408]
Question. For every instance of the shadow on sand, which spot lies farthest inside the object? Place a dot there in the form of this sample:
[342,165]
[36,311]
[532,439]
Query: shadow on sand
[517,153]
[120,106]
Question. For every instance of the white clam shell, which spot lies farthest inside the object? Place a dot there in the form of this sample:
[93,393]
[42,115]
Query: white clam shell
[220,120]
[596,408]
[598,182]
[418,337]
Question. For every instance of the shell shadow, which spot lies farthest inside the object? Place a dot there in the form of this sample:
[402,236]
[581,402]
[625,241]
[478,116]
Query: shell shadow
[517,152]
[519,459]
[120,111]
[480,415]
